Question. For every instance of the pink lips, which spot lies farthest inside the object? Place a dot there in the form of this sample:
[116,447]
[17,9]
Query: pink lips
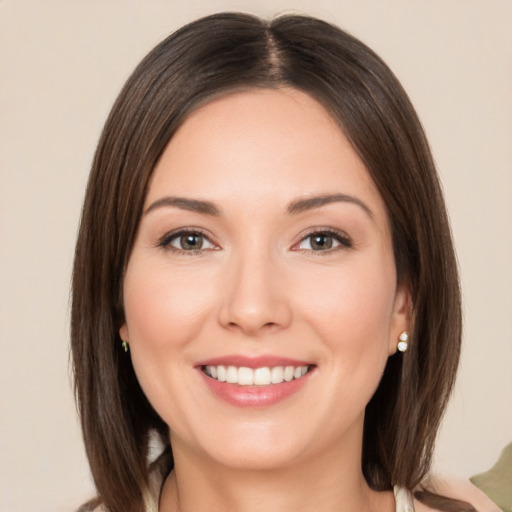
[253,396]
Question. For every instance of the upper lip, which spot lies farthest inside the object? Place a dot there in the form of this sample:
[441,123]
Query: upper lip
[252,362]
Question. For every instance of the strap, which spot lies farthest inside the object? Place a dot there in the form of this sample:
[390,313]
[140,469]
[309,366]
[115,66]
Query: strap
[404,499]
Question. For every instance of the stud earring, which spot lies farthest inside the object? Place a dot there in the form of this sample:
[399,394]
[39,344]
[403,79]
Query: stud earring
[125,345]
[402,342]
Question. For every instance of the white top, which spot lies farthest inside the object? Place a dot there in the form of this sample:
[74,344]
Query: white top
[404,500]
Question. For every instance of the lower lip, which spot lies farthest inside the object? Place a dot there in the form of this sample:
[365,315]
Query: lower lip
[254,396]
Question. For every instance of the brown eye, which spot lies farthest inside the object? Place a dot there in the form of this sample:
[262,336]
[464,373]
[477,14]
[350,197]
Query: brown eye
[321,242]
[188,241]
[324,241]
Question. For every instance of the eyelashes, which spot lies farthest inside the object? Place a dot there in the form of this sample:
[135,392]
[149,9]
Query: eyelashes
[193,241]
[324,241]
[187,241]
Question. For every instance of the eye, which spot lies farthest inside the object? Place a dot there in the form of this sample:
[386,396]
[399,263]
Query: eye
[324,241]
[187,241]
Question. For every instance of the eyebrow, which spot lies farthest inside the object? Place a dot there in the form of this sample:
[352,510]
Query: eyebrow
[193,205]
[295,207]
[309,203]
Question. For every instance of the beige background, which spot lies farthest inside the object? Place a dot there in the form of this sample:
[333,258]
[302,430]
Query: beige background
[62,63]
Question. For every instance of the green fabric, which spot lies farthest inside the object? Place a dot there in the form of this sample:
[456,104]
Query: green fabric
[497,482]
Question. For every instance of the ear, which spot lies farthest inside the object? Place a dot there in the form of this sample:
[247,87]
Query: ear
[123,332]
[401,319]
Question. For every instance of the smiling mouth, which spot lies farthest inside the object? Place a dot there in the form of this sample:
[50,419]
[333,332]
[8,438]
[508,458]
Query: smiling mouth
[264,376]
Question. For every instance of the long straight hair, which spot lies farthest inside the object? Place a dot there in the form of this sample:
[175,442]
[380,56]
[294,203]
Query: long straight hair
[215,56]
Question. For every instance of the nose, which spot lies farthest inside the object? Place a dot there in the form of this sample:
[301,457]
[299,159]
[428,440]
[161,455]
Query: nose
[255,299]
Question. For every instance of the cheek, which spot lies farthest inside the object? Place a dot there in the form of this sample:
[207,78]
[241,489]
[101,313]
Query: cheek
[352,313]
[162,307]
[165,312]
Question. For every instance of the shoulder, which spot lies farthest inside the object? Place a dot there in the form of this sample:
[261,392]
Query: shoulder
[459,489]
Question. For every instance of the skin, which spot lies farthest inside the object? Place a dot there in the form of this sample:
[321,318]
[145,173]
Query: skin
[259,286]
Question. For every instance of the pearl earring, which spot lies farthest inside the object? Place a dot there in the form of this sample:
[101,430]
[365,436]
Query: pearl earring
[402,342]
[125,345]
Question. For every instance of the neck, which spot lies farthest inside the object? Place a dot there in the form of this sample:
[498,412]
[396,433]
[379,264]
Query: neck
[333,481]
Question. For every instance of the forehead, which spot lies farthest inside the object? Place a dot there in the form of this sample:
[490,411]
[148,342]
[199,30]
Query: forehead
[261,145]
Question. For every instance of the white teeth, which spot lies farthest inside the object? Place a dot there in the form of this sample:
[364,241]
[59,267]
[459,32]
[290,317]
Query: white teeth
[277,375]
[245,376]
[232,375]
[221,373]
[264,376]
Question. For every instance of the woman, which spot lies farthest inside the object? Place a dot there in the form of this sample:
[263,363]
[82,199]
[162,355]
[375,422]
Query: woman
[264,279]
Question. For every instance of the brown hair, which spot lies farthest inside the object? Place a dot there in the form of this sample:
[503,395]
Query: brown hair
[214,56]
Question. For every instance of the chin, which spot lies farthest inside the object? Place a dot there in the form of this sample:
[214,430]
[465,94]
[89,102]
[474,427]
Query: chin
[261,458]
[252,447]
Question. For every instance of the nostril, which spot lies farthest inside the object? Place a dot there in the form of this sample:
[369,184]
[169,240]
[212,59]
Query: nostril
[252,328]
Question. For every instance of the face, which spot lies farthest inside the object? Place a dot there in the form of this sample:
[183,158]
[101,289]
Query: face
[260,297]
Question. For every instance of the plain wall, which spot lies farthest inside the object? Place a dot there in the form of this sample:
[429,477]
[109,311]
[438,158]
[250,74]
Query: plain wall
[61,65]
